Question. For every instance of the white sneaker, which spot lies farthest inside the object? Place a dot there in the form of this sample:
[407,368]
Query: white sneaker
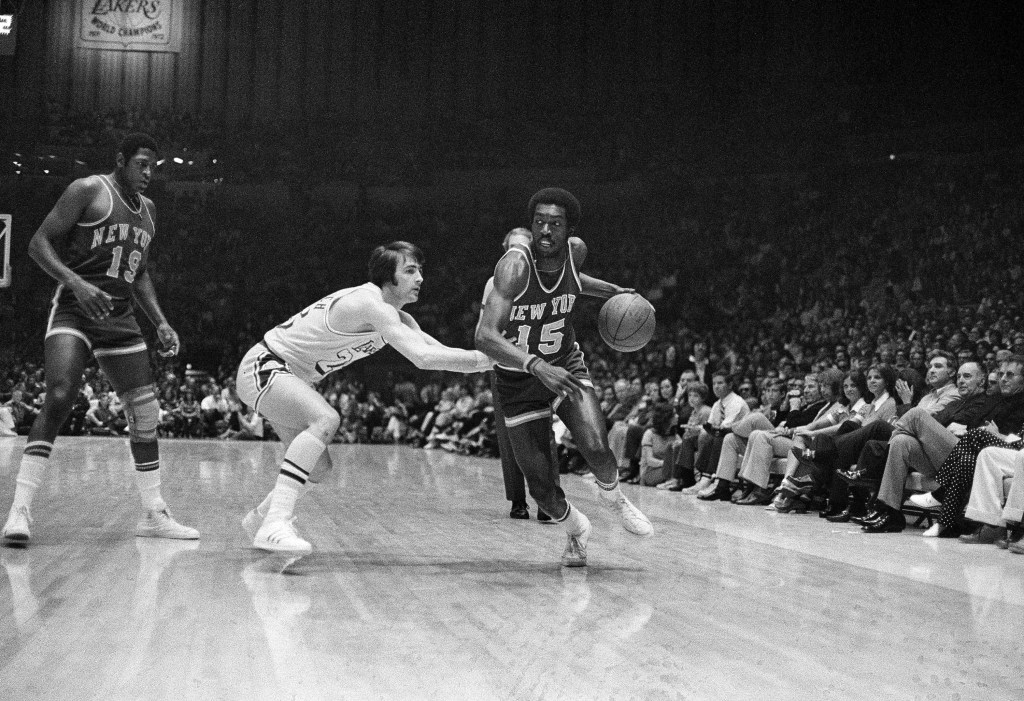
[280,537]
[701,484]
[925,501]
[251,523]
[160,524]
[575,553]
[632,518]
[16,528]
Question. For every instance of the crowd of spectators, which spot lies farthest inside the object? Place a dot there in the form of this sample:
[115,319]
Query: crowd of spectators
[763,279]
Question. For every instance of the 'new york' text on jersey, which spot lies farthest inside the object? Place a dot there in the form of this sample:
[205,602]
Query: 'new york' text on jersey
[540,321]
[111,252]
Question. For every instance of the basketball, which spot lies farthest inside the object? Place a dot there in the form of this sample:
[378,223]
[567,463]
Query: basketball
[626,322]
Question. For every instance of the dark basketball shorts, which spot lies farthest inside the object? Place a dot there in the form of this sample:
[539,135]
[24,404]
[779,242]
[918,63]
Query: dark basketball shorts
[524,398]
[115,335]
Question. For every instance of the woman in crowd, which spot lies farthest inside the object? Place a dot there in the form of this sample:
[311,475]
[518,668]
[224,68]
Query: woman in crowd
[682,471]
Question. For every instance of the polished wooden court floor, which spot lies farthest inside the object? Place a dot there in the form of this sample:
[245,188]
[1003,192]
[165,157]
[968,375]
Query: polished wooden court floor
[421,587]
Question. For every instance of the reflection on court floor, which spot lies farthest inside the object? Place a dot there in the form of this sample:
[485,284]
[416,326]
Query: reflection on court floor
[420,587]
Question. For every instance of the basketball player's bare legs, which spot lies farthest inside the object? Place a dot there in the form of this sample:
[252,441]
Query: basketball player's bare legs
[65,357]
[582,415]
[305,417]
[320,472]
[132,379]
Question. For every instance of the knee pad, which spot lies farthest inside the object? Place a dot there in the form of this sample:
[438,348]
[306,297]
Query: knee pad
[142,409]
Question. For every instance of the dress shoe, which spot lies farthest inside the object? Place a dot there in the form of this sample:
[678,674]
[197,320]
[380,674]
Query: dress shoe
[986,535]
[758,496]
[519,511]
[925,501]
[1014,533]
[788,504]
[871,515]
[542,517]
[854,508]
[741,493]
[669,484]
[721,492]
[892,521]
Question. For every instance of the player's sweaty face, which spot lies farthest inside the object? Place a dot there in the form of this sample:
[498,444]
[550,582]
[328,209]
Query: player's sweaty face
[550,229]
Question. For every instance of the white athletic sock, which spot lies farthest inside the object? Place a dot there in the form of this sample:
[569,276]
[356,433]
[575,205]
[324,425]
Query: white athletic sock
[148,483]
[282,499]
[299,460]
[30,476]
[573,521]
[264,506]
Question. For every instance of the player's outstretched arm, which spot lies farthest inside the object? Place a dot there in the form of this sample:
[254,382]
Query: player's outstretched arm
[592,286]
[410,341]
[510,277]
[43,246]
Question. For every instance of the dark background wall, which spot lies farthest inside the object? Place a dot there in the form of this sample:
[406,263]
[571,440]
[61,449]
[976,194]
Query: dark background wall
[464,59]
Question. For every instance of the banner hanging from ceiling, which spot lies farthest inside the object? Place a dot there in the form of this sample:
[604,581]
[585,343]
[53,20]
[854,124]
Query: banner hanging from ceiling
[130,25]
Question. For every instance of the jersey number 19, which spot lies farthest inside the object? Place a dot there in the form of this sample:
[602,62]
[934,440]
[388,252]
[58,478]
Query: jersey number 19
[134,258]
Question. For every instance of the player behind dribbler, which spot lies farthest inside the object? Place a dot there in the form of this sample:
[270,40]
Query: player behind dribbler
[277,374]
[102,227]
[526,325]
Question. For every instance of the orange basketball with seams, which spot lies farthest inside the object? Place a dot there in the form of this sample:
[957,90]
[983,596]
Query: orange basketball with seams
[626,322]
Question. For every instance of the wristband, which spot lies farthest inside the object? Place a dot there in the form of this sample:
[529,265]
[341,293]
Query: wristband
[531,363]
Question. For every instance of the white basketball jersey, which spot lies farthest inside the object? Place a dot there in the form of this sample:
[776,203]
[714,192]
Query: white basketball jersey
[312,348]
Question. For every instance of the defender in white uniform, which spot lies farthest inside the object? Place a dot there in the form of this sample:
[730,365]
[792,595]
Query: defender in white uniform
[277,374]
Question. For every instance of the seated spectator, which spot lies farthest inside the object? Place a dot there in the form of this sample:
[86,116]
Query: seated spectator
[956,473]
[768,415]
[767,444]
[725,413]
[100,421]
[20,413]
[683,470]
[998,520]
[659,445]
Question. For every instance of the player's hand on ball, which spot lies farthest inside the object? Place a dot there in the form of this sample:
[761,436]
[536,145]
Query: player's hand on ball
[559,380]
[168,340]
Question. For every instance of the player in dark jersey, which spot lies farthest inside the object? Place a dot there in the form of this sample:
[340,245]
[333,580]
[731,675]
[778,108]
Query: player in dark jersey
[526,326]
[95,243]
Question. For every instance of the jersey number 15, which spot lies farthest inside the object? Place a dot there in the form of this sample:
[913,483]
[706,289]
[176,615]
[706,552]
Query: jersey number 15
[550,337]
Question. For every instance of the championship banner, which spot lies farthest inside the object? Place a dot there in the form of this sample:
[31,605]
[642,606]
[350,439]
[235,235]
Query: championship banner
[130,25]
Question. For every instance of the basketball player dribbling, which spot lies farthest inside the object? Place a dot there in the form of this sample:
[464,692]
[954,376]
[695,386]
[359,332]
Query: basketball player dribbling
[277,374]
[526,326]
[103,225]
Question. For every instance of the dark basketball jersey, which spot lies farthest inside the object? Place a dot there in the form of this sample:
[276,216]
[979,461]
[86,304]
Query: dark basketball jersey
[541,318]
[110,252]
